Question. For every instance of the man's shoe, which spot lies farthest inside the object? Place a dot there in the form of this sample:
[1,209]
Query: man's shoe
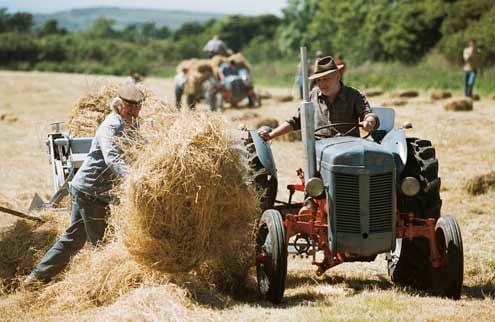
[32,281]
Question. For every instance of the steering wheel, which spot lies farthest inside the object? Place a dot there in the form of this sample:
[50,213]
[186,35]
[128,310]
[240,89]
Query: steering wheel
[333,127]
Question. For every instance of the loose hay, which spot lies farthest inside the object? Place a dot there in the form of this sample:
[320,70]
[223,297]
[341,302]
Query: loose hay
[186,202]
[8,118]
[23,244]
[459,104]
[480,184]
[440,95]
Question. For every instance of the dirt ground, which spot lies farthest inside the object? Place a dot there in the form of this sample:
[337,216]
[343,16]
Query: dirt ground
[354,291]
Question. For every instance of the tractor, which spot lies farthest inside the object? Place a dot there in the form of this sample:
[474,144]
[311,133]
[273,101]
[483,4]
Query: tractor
[379,194]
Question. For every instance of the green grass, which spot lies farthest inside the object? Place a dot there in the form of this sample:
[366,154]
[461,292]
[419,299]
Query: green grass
[432,73]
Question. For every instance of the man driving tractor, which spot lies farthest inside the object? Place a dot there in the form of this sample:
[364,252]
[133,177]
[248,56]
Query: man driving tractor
[334,103]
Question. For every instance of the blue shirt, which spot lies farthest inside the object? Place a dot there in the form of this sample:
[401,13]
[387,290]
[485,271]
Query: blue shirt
[104,162]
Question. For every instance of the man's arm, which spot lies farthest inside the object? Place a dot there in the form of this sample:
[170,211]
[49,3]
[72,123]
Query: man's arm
[367,118]
[278,131]
[111,151]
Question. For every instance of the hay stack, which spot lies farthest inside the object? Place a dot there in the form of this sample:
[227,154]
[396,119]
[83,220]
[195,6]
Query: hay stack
[440,95]
[459,104]
[407,94]
[395,103]
[92,109]
[8,117]
[480,184]
[186,203]
[373,92]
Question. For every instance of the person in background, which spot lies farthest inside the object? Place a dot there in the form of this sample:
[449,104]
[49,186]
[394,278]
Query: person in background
[180,82]
[339,60]
[334,102]
[216,46]
[471,65]
[91,185]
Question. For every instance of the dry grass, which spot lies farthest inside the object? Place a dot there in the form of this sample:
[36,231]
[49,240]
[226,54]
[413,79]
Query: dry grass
[354,291]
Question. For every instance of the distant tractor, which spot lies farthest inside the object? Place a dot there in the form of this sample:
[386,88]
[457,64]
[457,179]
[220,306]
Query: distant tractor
[363,197]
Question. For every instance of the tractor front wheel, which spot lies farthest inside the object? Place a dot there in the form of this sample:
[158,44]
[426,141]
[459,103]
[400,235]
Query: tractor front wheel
[271,256]
[448,280]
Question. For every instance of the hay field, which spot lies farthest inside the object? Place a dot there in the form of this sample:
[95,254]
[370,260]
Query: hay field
[353,291]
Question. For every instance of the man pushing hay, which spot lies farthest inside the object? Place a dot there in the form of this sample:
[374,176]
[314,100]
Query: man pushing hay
[91,185]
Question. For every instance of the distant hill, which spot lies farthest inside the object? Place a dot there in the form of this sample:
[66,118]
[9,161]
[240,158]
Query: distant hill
[80,19]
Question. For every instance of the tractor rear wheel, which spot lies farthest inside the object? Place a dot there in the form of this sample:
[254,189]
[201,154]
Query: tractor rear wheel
[271,256]
[448,280]
[265,183]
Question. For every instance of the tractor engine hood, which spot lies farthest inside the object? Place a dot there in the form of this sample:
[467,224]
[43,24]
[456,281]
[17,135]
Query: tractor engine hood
[353,153]
[359,178]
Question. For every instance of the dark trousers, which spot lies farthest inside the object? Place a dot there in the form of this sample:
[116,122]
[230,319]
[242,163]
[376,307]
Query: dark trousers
[179,90]
[88,222]
[469,79]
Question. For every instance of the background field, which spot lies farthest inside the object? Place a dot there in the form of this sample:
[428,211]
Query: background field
[353,291]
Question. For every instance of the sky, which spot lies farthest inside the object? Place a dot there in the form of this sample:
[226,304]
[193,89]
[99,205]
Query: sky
[247,7]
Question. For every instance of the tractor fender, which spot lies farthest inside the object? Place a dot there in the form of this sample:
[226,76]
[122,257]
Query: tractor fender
[395,142]
[264,152]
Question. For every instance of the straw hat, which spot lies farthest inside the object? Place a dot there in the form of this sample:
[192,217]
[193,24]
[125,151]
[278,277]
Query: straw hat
[325,66]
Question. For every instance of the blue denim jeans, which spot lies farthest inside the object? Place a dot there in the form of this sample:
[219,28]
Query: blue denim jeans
[469,79]
[88,222]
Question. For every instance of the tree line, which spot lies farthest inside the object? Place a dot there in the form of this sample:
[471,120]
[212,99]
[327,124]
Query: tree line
[360,30]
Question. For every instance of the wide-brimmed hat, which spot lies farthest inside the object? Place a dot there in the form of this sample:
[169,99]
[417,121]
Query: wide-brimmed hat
[324,66]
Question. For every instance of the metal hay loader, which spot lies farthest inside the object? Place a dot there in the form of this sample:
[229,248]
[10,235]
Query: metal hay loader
[363,197]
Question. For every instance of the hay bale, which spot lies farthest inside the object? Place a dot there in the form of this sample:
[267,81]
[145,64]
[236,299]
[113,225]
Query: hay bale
[480,184]
[284,98]
[8,117]
[91,110]
[395,103]
[406,94]
[440,95]
[218,60]
[459,104]
[240,60]
[373,92]
[273,123]
[186,203]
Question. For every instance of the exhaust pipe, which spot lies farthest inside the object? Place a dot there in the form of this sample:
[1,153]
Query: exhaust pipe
[307,123]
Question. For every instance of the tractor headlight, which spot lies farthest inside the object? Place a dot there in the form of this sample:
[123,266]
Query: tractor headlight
[314,187]
[410,186]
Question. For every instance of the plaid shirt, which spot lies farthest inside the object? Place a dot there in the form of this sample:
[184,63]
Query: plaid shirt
[350,106]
